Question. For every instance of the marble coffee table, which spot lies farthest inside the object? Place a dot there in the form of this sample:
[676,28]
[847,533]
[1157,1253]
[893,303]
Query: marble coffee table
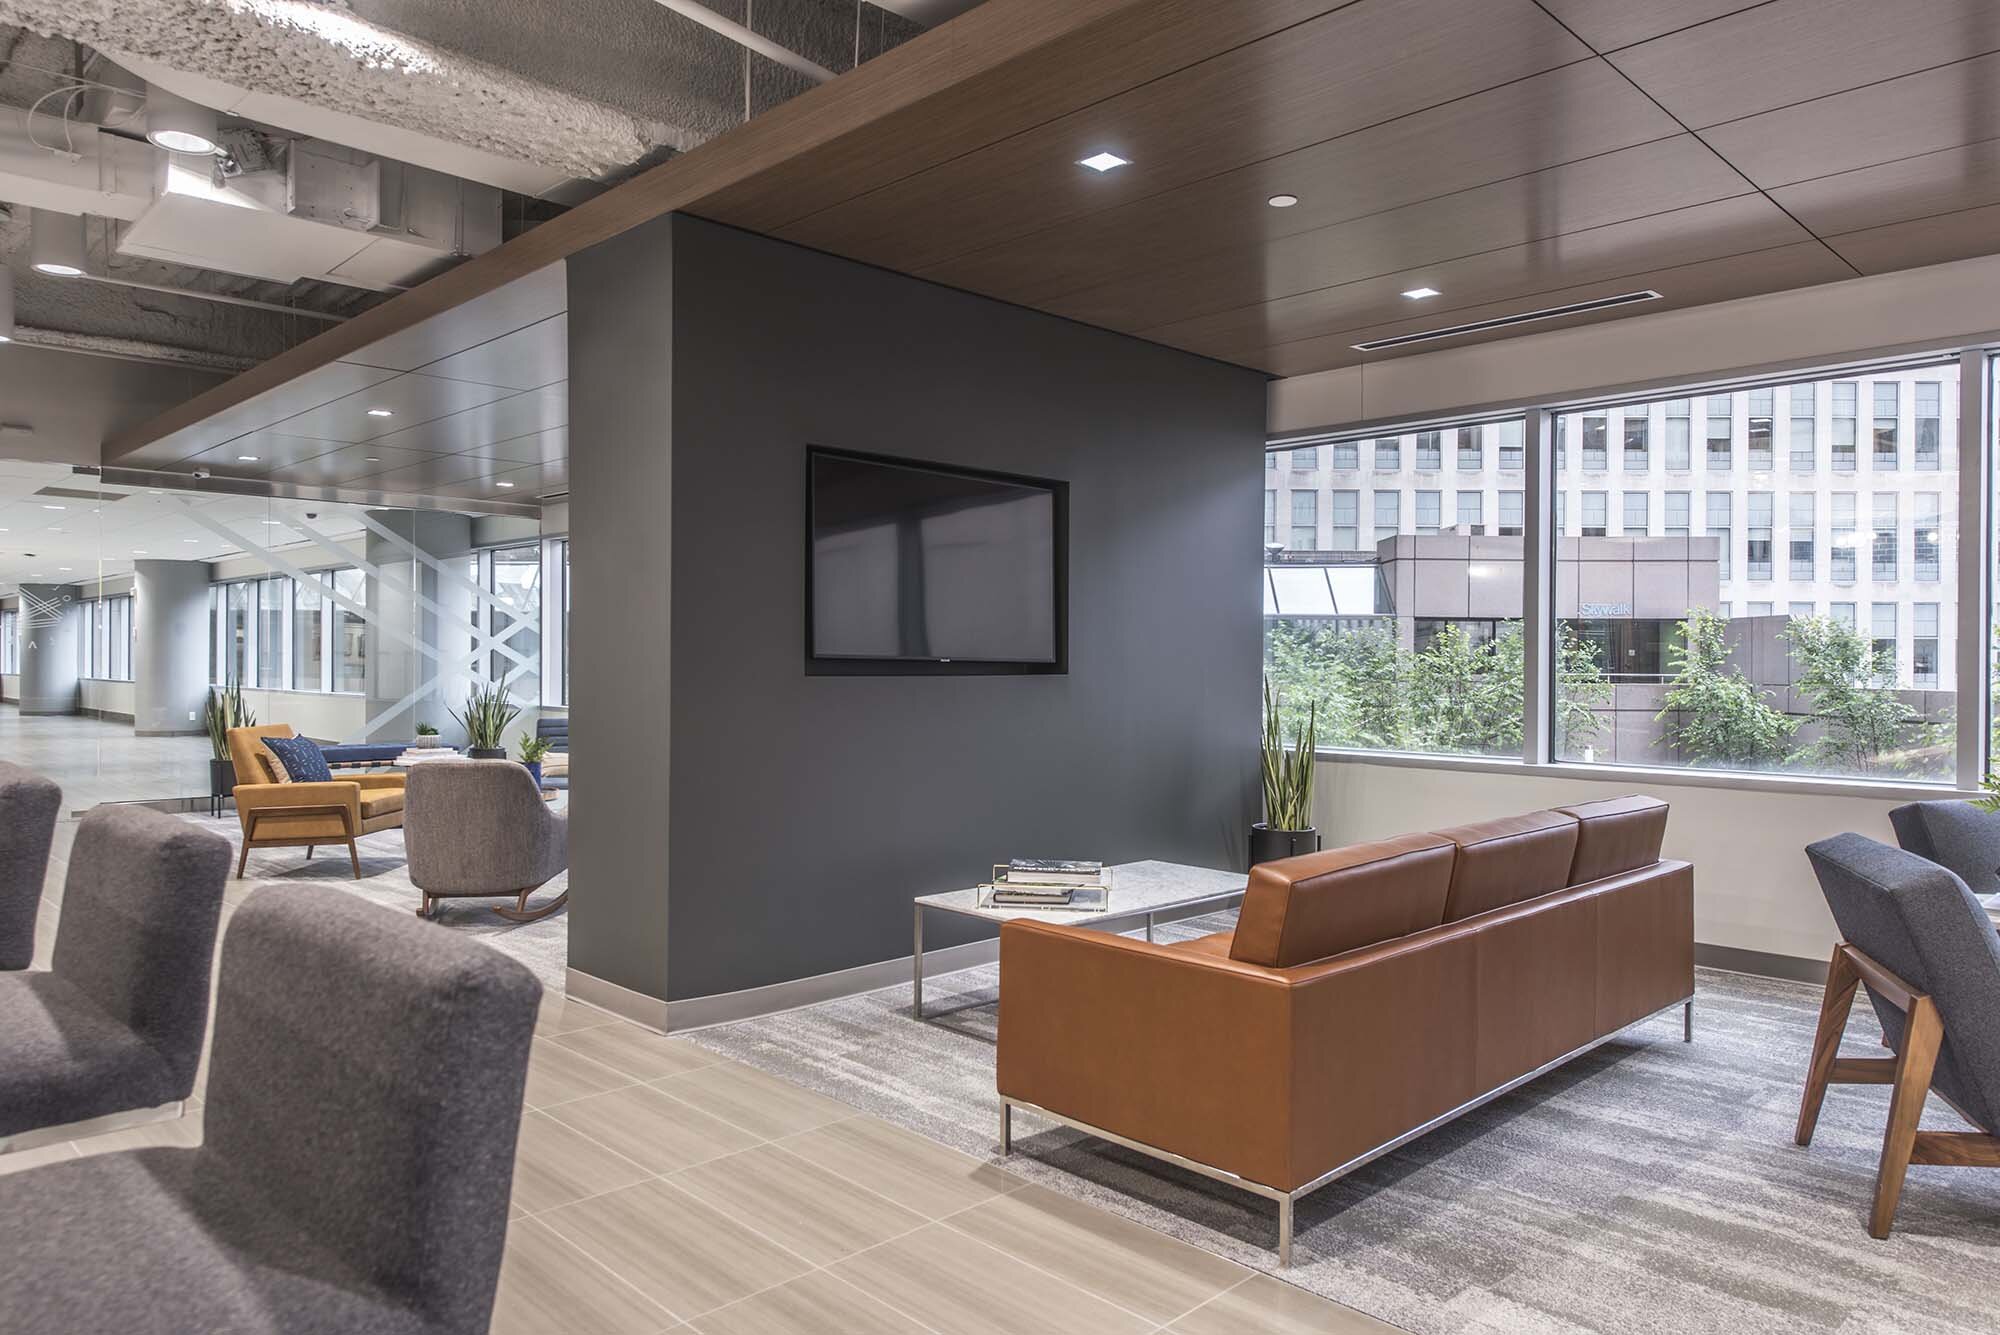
[1140,892]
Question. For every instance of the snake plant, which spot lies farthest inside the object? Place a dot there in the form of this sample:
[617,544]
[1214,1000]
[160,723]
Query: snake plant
[488,711]
[1288,771]
[225,710]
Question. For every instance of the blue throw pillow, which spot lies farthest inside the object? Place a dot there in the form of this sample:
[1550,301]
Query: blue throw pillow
[301,757]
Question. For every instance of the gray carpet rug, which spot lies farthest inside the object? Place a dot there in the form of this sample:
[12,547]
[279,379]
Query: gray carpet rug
[1649,1186]
[385,879]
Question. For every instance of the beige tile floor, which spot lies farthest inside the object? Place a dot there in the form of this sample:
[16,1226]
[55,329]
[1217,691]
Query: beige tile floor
[660,1188]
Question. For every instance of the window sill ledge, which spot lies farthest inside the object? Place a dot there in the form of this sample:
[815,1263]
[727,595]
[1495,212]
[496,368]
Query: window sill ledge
[1796,784]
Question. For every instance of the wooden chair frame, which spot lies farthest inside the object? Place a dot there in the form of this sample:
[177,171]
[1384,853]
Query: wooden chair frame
[258,814]
[1908,1073]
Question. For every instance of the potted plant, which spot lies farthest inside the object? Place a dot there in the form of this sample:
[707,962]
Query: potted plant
[223,710]
[488,711]
[1287,829]
[427,735]
[532,751]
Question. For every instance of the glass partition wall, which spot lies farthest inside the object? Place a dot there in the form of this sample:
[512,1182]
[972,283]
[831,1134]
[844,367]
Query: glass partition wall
[1758,577]
[123,607]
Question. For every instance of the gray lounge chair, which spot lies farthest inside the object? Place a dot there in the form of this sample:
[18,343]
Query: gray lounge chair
[1957,836]
[113,1028]
[480,829]
[29,805]
[363,1101]
[1928,954]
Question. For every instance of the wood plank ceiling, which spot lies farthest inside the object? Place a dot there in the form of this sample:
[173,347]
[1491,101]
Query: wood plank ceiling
[1512,154]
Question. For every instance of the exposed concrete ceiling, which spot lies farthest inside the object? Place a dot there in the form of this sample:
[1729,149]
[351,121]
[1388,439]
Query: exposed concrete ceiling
[583,92]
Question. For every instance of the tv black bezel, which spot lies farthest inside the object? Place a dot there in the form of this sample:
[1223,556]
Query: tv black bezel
[851,665]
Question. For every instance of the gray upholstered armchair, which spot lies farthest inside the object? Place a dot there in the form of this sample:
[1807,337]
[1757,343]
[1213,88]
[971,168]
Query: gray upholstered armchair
[1928,954]
[479,828]
[29,805]
[110,1033]
[363,1103]
[1957,836]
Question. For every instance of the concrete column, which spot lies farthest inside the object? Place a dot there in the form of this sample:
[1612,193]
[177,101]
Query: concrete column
[170,646]
[51,621]
[420,682]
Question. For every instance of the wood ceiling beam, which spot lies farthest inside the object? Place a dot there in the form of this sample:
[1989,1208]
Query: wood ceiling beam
[1000,69]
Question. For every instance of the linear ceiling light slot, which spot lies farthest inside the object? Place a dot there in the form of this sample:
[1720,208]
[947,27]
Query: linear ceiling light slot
[1503,321]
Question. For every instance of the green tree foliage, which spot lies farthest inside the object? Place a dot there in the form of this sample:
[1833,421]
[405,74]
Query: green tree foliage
[1457,696]
[1862,722]
[1460,699]
[1712,715]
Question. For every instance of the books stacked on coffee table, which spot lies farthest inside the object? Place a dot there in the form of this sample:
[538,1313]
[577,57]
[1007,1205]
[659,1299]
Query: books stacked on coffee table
[1076,885]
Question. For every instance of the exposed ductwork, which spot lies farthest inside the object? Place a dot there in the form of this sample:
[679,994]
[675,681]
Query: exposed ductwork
[317,70]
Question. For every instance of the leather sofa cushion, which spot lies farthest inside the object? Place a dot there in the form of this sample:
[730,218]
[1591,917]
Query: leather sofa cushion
[1505,861]
[1616,835]
[1297,910]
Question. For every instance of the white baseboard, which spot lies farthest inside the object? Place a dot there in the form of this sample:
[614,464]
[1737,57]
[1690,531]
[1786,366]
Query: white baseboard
[726,1007]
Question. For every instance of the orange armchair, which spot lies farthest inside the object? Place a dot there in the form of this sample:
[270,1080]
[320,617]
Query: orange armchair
[280,814]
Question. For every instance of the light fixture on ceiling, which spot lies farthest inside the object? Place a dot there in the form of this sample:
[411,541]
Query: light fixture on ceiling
[371,459]
[138,551]
[55,507]
[1103,161]
[55,243]
[1504,321]
[6,304]
[503,484]
[178,125]
[246,458]
[1282,201]
[190,541]
[1419,293]
[380,412]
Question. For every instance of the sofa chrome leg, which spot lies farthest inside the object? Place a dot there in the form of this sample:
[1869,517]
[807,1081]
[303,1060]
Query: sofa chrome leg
[1687,1020]
[1285,1232]
[1006,1128]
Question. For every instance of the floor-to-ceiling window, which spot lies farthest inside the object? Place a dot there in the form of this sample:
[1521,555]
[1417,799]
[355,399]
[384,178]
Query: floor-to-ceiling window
[1782,598]
[1403,634]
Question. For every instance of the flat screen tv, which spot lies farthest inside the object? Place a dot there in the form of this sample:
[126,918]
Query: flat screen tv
[922,568]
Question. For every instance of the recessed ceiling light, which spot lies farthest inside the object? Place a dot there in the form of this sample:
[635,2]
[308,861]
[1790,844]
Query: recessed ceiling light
[1419,293]
[503,484]
[1282,201]
[62,569]
[55,507]
[246,458]
[138,551]
[371,459]
[190,540]
[1103,162]
[380,412]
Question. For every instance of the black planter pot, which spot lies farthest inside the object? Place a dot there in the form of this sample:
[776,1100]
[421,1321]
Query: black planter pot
[1268,845]
[486,752]
[221,783]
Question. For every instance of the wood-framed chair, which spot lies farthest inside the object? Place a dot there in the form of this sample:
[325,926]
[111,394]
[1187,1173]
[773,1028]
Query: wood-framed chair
[277,814]
[1926,951]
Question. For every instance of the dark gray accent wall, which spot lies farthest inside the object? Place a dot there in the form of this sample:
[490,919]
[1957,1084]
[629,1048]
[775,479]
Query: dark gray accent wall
[621,496]
[806,810]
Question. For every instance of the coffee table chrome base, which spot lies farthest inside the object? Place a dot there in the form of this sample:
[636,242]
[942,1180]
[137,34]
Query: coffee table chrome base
[1286,1200]
[1110,920]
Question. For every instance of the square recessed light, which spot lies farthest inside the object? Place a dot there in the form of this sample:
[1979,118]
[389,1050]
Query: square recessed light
[380,412]
[1103,162]
[1419,293]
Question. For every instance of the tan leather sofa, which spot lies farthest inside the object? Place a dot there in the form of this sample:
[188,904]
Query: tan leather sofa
[278,813]
[1367,995]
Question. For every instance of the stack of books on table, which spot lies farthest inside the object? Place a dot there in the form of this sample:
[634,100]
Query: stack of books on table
[1053,883]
